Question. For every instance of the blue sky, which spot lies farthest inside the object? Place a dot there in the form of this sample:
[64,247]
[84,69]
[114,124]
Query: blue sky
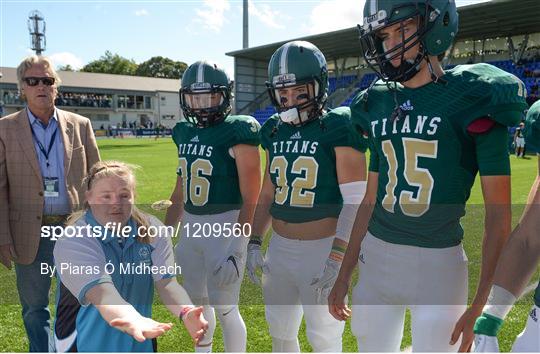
[81,31]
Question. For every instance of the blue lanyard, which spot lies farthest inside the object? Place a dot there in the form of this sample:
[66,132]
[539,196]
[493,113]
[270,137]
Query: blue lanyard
[42,148]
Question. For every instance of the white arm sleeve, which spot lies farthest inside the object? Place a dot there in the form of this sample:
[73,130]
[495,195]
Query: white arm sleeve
[352,193]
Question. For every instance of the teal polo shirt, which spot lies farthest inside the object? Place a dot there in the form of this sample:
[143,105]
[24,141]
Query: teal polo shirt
[91,261]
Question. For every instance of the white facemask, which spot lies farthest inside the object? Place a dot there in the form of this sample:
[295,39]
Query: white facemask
[291,116]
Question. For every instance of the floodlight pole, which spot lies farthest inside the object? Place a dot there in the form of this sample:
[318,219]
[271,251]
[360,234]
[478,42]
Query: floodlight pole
[36,28]
[245,42]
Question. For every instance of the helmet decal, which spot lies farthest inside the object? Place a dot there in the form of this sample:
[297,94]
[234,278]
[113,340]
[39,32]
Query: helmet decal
[200,72]
[283,69]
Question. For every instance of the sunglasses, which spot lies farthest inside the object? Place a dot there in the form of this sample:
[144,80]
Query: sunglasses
[34,81]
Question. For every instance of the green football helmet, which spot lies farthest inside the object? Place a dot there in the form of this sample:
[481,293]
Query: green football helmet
[437,29]
[297,64]
[205,94]
[532,128]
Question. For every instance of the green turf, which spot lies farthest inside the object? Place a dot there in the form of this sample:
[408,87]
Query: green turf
[156,178]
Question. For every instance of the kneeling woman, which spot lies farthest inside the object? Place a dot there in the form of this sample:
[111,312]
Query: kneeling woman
[98,287]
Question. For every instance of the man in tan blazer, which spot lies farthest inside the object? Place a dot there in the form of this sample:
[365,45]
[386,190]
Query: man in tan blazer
[45,153]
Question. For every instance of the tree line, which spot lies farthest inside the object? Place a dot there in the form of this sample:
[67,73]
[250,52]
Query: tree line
[110,63]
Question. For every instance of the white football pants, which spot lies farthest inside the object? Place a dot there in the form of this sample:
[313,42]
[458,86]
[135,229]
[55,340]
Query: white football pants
[432,283]
[292,265]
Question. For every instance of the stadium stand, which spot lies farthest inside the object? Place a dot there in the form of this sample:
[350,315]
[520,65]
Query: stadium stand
[528,72]
[507,65]
[495,32]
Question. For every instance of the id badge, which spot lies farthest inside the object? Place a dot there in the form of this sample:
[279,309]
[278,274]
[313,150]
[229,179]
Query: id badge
[51,187]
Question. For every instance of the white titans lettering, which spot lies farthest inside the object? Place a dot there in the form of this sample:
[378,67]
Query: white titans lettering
[295,147]
[195,150]
[423,125]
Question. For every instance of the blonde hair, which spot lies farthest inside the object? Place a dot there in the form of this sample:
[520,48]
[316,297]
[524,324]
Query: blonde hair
[32,60]
[124,171]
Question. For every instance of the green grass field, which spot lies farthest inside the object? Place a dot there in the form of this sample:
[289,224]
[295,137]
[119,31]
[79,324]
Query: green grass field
[156,178]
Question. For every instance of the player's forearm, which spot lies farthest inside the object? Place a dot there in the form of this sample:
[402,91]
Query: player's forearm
[246,214]
[521,253]
[534,195]
[245,217]
[262,217]
[497,230]
[358,233]
[173,296]
[339,247]
[519,259]
[174,215]
[110,303]
[175,211]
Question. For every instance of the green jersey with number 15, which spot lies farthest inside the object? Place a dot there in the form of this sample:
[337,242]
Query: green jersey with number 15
[532,138]
[428,155]
[206,163]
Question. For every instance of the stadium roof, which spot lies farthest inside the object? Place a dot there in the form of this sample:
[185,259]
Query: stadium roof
[95,81]
[497,18]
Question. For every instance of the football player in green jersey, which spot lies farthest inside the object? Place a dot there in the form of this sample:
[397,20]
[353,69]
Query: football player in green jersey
[314,181]
[517,263]
[215,196]
[431,132]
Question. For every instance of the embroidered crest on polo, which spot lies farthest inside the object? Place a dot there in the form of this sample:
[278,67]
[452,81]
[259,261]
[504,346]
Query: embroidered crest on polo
[143,252]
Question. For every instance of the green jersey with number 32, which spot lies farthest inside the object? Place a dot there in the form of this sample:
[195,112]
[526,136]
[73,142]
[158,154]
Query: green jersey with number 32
[428,155]
[206,163]
[302,164]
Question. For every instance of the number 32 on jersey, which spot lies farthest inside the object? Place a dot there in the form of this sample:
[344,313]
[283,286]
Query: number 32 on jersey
[307,169]
[415,176]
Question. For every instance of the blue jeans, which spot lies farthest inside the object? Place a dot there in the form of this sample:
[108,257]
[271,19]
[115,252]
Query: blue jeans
[34,296]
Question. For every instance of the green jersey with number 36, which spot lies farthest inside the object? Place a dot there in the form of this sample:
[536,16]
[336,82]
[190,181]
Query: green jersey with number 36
[206,163]
[427,155]
[532,139]
[302,164]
